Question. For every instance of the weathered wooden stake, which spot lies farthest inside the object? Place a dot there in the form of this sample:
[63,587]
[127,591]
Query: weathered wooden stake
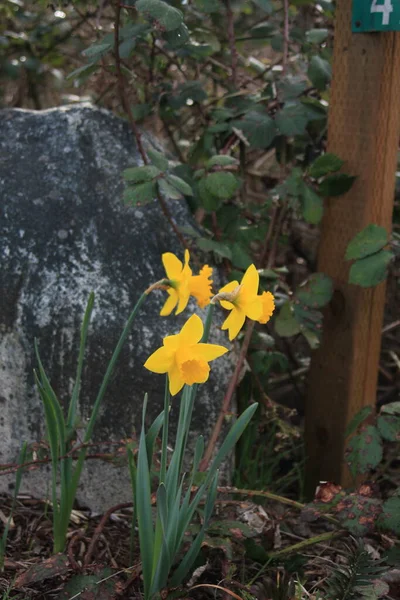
[363,129]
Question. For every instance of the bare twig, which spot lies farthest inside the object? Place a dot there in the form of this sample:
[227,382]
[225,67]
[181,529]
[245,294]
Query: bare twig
[134,127]
[99,529]
[285,36]
[227,399]
[232,44]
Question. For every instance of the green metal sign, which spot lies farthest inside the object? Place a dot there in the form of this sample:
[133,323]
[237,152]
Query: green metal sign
[375,15]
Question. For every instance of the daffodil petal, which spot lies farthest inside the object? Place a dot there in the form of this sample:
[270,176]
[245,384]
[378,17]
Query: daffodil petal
[192,331]
[227,305]
[254,309]
[229,287]
[172,265]
[170,303]
[250,281]
[183,300]
[209,351]
[176,382]
[268,307]
[234,322]
[187,257]
[160,361]
[171,342]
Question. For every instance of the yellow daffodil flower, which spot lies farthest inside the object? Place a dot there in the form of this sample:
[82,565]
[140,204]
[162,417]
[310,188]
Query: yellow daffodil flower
[179,276]
[200,286]
[268,307]
[244,302]
[182,284]
[183,357]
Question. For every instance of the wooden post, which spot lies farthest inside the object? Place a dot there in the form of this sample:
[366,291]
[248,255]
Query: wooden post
[363,129]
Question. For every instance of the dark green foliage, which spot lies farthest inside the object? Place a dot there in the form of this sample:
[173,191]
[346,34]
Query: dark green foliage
[359,578]
[336,185]
[370,240]
[364,451]
[371,270]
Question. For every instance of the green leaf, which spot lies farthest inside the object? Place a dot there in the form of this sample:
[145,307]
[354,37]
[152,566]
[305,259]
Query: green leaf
[165,16]
[126,47]
[221,184]
[293,119]
[325,164]
[157,159]
[291,87]
[371,239]
[96,587]
[319,72]
[286,324]
[336,185]
[391,409]
[176,38]
[84,72]
[96,51]
[370,271]
[141,174]
[389,427]
[310,319]
[211,246]
[240,257]
[316,36]
[265,5]
[140,194]
[312,205]
[357,420]
[140,111]
[207,200]
[364,451]
[188,92]
[180,185]
[358,513]
[263,362]
[262,31]
[317,292]
[222,160]
[144,508]
[258,128]
[390,519]
[208,6]
[168,190]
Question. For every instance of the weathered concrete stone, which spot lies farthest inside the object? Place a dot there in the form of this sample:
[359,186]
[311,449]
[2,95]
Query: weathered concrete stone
[63,233]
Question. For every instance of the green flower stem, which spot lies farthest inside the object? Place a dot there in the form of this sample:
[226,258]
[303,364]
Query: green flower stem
[207,323]
[100,395]
[164,446]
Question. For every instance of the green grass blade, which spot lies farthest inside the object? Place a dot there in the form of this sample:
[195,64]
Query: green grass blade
[51,426]
[152,435]
[133,475]
[144,510]
[194,549]
[162,559]
[172,477]
[103,388]
[164,443]
[71,419]
[65,471]
[198,453]
[231,439]
[228,444]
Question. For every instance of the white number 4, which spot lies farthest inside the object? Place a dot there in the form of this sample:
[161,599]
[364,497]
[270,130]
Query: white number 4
[386,8]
